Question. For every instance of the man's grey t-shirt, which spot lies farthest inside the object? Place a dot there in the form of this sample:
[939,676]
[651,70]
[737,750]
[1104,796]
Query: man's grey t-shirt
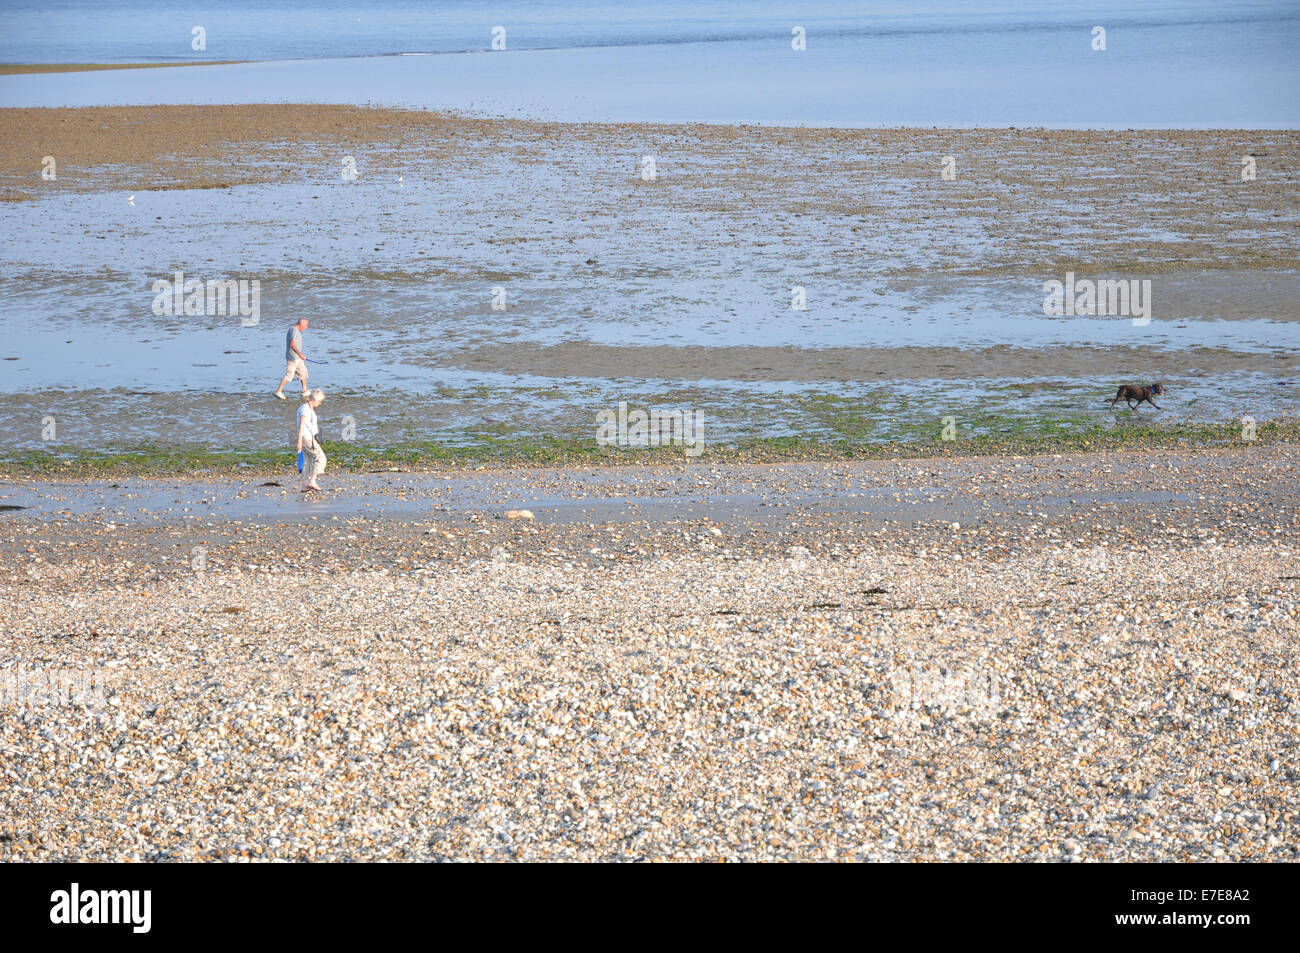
[293,337]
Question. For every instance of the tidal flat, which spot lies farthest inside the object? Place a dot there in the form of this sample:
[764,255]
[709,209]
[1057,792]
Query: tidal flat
[485,280]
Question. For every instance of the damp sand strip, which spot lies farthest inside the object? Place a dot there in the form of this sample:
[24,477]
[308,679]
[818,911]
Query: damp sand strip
[16,69]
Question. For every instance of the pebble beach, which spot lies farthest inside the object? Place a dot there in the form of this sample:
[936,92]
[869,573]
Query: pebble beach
[1080,657]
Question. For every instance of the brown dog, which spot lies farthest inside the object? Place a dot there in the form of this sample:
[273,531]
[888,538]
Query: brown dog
[1137,392]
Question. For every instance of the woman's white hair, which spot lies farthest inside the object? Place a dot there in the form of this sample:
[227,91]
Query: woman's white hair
[316,395]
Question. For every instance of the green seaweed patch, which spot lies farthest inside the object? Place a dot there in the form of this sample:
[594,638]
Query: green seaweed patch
[497,446]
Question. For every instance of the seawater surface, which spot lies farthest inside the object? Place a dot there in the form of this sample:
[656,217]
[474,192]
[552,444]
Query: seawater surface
[1190,64]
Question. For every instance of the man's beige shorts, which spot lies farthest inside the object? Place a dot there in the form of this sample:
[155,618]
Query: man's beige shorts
[296,366]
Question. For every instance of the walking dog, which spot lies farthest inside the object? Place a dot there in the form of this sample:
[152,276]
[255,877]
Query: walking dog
[1138,392]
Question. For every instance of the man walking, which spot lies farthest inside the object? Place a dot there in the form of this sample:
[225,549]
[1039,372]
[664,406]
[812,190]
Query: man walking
[295,360]
[313,464]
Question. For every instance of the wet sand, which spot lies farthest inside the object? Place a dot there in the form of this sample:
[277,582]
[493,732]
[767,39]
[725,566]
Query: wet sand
[924,295]
[15,69]
[1022,202]
[874,495]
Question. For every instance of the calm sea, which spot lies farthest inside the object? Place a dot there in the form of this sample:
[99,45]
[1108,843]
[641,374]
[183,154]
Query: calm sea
[1186,64]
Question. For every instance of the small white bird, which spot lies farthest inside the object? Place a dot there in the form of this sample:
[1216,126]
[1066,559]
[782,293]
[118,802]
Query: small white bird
[131,200]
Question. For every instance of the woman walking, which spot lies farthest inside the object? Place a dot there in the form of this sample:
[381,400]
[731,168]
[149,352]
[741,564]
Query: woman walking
[313,455]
